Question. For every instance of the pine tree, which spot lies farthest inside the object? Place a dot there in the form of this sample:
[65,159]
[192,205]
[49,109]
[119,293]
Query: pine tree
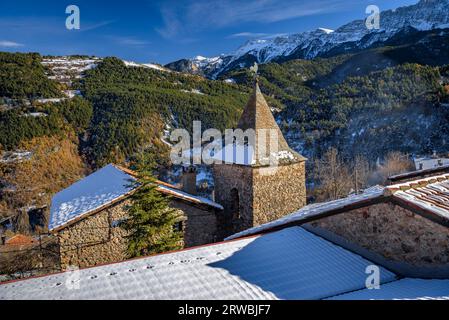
[151,221]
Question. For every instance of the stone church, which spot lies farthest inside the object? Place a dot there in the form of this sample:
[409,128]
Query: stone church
[87,215]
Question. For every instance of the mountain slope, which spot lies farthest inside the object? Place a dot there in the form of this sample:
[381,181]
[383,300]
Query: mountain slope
[354,36]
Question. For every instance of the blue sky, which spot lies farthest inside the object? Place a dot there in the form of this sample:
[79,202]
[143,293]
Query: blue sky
[164,31]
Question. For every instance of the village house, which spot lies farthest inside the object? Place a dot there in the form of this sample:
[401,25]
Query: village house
[86,217]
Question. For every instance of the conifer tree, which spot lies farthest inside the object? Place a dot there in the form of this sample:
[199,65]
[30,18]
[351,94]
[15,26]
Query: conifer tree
[151,222]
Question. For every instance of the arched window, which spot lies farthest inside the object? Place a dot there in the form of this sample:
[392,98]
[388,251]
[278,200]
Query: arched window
[235,204]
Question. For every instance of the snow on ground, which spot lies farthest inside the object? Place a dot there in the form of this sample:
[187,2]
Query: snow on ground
[194,91]
[16,156]
[145,65]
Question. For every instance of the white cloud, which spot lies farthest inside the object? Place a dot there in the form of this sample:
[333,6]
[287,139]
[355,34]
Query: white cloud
[248,35]
[132,42]
[193,16]
[10,44]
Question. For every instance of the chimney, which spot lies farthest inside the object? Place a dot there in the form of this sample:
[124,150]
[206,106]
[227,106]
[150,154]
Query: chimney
[189,179]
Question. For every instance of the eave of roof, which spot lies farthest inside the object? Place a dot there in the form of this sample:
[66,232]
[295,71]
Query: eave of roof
[418,173]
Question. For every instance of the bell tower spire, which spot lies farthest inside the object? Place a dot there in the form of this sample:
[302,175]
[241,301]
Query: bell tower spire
[254,192]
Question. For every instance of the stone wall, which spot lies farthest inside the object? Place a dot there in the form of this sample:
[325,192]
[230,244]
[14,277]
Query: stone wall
[98,239]
[94,240]
[200,226]
[266,193]
[226,178]
[394,232]
[278,191]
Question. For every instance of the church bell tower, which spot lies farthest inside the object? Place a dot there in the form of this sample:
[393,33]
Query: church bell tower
[255,192]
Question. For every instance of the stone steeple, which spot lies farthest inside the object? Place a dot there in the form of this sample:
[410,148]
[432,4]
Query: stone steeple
[255,191]
[257,116]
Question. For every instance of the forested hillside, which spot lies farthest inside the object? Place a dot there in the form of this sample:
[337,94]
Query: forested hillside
[132,105]
[330,102]
[366,105]
[23,76]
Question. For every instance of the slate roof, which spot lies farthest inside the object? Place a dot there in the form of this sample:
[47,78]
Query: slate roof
[257,116]
[102,189]
[289,264]
[429,197]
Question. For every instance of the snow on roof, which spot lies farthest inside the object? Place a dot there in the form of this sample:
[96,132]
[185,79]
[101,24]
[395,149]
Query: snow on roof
[430,194]
[314,210]
[289,264]
[404,289]
[101,188]
[430,163]
[189,197]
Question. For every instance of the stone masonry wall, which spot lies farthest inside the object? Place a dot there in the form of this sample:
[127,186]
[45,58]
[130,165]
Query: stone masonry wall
[96,240]
[93,241]
[226,178]
[265,193]
[200,226]
[394,232]
[278,191]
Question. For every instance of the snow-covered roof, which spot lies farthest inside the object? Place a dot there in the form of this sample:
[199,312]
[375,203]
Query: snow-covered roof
[289,264]
[313,211]
[404,289]
[101,189]
[186,196]
[429,194]
[97,190]
[430,163]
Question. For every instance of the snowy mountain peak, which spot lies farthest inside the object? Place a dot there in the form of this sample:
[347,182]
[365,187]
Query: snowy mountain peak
[423,16]
[327,31]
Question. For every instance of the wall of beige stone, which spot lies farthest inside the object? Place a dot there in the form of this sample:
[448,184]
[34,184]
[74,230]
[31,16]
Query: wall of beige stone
[394,232]
[278,191]
[200,226]
[226,178]
[266,193]
[93,241]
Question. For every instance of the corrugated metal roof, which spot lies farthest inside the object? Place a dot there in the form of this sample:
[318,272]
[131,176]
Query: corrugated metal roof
[289,264]
[404,289]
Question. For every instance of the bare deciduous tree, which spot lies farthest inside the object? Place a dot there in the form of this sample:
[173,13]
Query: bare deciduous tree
[333,175]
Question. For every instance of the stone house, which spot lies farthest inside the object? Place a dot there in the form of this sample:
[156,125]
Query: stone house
[86,217]
[389,243]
